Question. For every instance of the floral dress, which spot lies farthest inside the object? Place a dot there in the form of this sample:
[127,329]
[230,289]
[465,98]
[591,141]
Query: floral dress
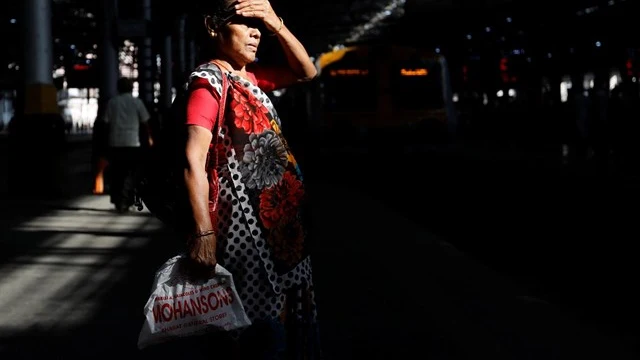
[259,217]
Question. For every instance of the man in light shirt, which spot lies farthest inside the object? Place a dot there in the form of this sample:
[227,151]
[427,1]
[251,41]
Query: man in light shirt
[125,116]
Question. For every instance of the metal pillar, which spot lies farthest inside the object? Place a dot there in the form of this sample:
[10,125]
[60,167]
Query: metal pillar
[447,92]
[167,73]
[146,63]
[109,70]
[38,58]
[182,47]
[37,133]
[37,26]
[192,55]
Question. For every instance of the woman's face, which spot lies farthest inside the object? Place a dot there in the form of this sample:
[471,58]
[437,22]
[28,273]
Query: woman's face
[240,39]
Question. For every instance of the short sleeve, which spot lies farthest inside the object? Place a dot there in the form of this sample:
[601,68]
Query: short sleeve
[142,111]
[202,106]
[212,74]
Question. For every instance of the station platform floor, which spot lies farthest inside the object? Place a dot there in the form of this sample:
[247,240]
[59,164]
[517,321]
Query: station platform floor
[416,255]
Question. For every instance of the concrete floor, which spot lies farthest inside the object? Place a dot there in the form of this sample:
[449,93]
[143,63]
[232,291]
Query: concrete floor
[421,254]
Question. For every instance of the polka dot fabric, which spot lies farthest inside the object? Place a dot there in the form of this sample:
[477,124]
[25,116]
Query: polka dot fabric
[283,299]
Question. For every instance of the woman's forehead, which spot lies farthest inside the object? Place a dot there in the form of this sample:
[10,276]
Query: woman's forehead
[249,21]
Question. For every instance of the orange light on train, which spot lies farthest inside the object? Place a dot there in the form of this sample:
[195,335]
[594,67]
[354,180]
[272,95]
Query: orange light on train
[349,72]
[414,72]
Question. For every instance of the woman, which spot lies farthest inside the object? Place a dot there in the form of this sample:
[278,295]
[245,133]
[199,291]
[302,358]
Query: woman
[247,212]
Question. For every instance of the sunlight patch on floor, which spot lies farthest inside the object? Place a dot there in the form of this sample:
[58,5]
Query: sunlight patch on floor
[68,262]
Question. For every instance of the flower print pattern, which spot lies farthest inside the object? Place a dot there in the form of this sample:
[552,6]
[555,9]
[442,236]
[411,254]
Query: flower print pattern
[264,160]
[281,202]
[279,287]
[250,115]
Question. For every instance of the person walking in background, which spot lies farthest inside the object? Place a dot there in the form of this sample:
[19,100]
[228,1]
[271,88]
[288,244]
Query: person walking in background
[125,117]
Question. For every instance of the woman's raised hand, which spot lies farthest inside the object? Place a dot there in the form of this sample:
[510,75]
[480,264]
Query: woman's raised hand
[259,9]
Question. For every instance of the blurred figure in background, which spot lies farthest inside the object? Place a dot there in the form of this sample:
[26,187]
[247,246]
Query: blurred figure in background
[125,117]
[100,146]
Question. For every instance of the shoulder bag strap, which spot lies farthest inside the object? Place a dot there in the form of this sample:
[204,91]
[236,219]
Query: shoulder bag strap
[213,147]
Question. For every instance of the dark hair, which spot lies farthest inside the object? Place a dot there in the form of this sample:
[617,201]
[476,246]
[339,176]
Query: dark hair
[219,11]
[125,85]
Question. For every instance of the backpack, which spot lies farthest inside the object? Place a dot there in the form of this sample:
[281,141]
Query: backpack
[159,183]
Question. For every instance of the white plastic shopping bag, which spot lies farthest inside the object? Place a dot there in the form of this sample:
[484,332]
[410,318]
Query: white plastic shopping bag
[179,306]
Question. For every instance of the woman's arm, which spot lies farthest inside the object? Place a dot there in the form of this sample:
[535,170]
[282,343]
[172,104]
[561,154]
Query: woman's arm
[300,65]
[297,57]
[202,244]
[201,112]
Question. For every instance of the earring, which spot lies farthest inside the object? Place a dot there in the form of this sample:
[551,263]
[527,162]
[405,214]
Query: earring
[212,33]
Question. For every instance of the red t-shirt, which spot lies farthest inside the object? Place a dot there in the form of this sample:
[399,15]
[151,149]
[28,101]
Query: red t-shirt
[203,102]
